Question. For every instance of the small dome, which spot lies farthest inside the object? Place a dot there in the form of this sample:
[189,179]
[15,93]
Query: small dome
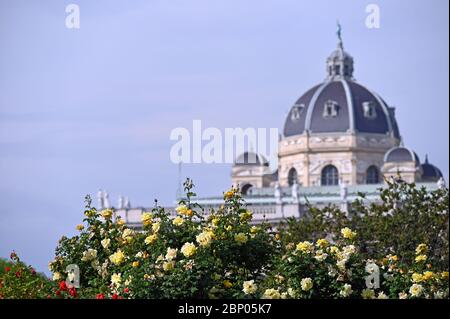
[430,172]
[251,158]
[401,154]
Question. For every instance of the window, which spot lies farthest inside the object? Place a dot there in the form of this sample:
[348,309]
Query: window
[330,176]
[369,110]
[372,175]
[292,177]
[346,72]
[245,189]
[337,69]
[297,110]
[331,109]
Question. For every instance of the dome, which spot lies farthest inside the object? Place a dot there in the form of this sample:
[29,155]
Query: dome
[401,154]
[340,104]
[251,158]
[430,172]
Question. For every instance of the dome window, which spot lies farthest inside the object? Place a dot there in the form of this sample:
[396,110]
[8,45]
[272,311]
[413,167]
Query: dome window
[369,110]
[331,109]
[297,111]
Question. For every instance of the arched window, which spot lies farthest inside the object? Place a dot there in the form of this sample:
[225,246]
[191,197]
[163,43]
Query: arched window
[330,176]
[246,188]
[292,176]
[372,175]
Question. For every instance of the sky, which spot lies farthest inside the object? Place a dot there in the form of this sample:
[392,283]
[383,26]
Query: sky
[89,108]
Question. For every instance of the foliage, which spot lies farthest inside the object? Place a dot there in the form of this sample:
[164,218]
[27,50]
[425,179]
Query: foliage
[191,254]
[405,217]
[20,281]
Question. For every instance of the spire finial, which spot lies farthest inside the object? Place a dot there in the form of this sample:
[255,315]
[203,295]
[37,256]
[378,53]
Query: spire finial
[339,34]
[426,158]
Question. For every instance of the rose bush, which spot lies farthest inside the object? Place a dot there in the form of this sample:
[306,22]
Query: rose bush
[406,216]
[20,281]
[223,255]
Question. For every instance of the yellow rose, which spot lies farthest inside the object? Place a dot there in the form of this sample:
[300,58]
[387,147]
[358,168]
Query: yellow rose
[334,250]
[241,238]
[415,277]
[117,258]
[229,194]
[178,221]
[135,264]
[168,265]
[249,287]
[421,258]
[320,255]
[105,243]
[393,258]
[415,290]
[444,275]
[246,216]
[171,254]
[80,227]
[427,275]
[120,222]
[229,228]
[305,247]
[322,243]
[271,294]
[116,279]
[150,239]
[215,221]
[188,249]
[421,249]
[306,284]
[57,276]
[128,234]
[368,294]
[107,213]
[254,229]
[184,210]
[348,233]
[227,284]
[402,295]
[204,238]
[155,227]
[147,218]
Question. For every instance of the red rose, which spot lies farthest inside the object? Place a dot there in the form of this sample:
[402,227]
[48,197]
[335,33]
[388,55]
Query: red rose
[7,269]
[115,296]
[58,293]
[18,274]
[126,290]
[100,296]
[63,286]
[33,272]
[73,292]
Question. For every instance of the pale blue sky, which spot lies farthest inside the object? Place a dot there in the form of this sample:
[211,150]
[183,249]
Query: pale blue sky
[94,107]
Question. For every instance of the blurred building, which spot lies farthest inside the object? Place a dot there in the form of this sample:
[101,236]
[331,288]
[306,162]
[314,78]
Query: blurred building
[339,138]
